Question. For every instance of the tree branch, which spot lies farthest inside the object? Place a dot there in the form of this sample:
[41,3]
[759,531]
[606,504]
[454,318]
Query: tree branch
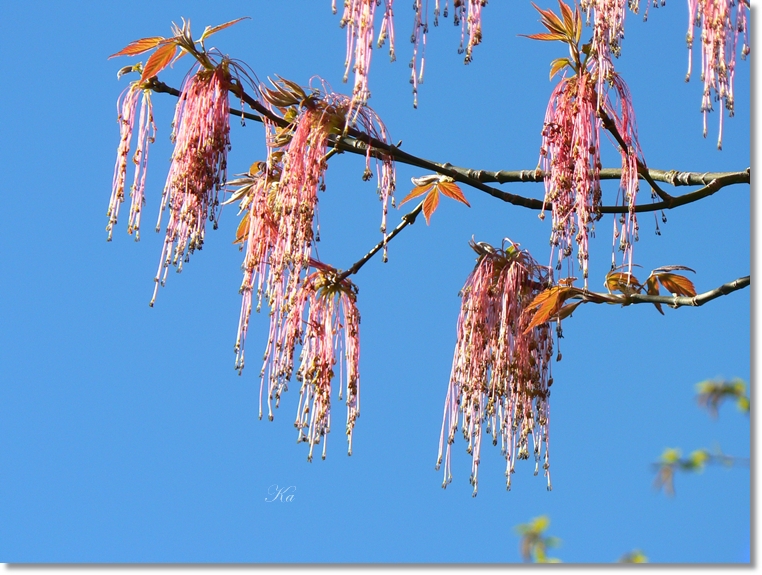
[672,301]
[357,142]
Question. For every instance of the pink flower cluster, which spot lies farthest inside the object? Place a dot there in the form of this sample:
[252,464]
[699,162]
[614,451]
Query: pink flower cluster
[281,208]
[721,23]
[280,199]
[324,319]
[500,379]
[570,157]
[127,107]
[199,165]
[618,105]
[608,25]
[466,13]
[358,18]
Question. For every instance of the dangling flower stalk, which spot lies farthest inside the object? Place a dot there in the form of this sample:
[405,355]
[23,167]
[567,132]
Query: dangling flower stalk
[324,319]
[127,110]
[199,165]
[469,16]
[279,198]
[358,18]
[570,155]
[570,152]
[500,374]
[720,30]
[618,105]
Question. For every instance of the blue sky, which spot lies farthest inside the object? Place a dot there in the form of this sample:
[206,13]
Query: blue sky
[127,436]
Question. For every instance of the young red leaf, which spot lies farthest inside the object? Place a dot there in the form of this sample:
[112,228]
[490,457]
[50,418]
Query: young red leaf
[417,191]
[451,190]
[543,296]
[662,269]
[159,60]
[209,31]
[677,284]
[138,46]
[430,204]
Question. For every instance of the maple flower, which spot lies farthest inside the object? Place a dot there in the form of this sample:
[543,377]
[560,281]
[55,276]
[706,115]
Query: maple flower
[358,18]
[127,108]
[608,24]
[278,228]
[720,28]
[323,318]
[466,13]
[500,379]
[469,15]
[608,32]
[199,166]
[280,200]
[570,157]
[258,232]
[618,105]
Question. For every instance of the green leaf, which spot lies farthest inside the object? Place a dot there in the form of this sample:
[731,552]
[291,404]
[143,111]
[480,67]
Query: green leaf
[670,456]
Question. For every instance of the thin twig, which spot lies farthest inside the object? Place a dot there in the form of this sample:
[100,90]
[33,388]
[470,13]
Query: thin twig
[407,219]
[610,125]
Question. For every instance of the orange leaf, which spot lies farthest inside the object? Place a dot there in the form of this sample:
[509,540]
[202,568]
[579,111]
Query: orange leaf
[541,297]
[677,284]
[621,281]
[544,36]
[568,17]
[138,46]
[209,31]
[557,65]
[452,190]
[159,60]
[577,25]
[550,302]
[567,310]
[652,288]
[243,230]
[430,204]
[417,191]
[550,20]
